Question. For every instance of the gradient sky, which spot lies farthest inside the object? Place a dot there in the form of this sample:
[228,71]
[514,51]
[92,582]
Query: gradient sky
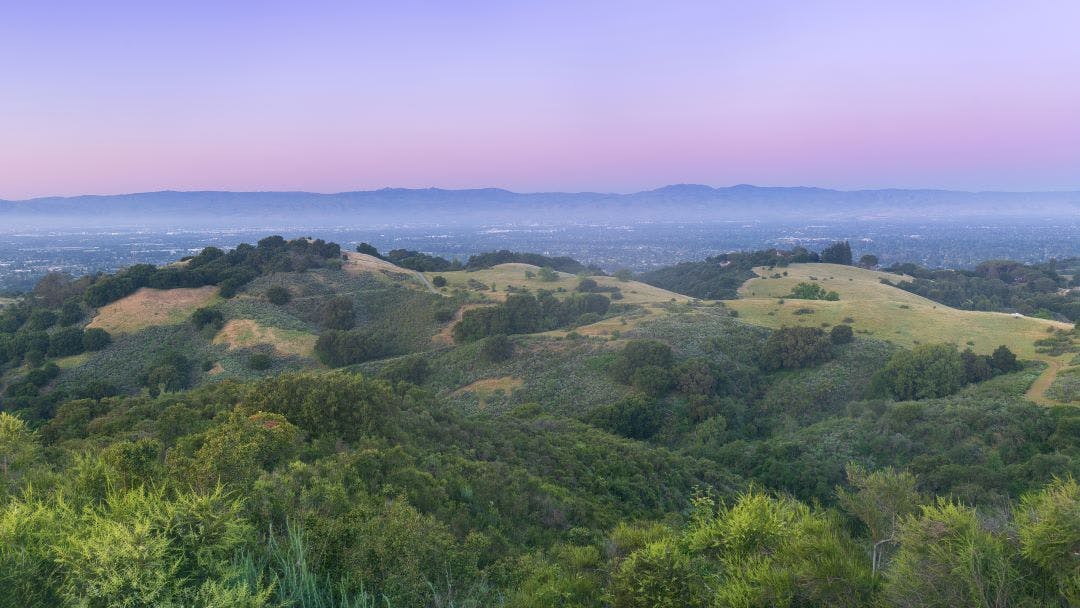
[109,97]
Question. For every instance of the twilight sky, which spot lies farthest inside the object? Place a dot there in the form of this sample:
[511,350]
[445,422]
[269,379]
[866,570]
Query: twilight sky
[108,97]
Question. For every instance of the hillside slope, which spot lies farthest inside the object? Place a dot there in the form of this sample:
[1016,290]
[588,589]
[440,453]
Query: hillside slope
[888,313]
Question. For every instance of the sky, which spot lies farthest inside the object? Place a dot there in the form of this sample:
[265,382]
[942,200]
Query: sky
[110,97]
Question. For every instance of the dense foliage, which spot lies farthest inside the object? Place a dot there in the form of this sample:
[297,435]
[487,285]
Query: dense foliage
[837,253]
[1030,289]
[812,291]
[212,266]
[526,313]
[562,264]
[938,370]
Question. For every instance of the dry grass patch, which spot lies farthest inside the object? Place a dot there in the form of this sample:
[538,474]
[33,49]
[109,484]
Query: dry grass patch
[516,275]
[149,307]
[246,333]
[357,263]
[72,361]
[360,263]
[485,388]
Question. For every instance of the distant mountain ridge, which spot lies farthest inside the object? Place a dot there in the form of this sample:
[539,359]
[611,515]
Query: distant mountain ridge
[402,206]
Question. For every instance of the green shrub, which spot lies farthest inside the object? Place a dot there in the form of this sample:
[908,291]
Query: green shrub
[795,347]
[95,339]
[340,348]
[841,334]
[260,362]
[652,380]
[925,372]
[640,353]
[66,341]
[338,313]
[278,295]
[207,317]
[497,348]
[413,369]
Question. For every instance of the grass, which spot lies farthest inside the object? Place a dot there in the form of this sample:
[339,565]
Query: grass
[645,301]
[72,361]
[483,390]
[1066,386]
[361,263]
[246,333]
[888,313]
[514,275]
[563,376]
[152,307]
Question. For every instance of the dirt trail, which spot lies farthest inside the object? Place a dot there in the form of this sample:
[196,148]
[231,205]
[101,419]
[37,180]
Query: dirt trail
[1037,391]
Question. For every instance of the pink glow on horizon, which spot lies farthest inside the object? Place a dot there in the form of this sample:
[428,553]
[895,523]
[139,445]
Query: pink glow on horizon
[127,97]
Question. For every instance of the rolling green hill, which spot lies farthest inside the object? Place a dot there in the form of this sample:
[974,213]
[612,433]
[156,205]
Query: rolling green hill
[888,313]
[675,450]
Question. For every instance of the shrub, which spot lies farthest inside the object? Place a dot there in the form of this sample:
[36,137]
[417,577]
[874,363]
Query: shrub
[367,249]
[660,575]
[640,353]
[588,286]
[928,371]
[837,253]
[66,341]
[439,281]
[260,362]
[1003,360]
[338,313]
[695,377]
[207,317]
[497,348]
[71,312]
[795,347]
[338,348]
[652,380]
[841,334]
[413,369]
[96,338]
[172,373]
[336,403]
[813,291]
[278,295]
[637,417]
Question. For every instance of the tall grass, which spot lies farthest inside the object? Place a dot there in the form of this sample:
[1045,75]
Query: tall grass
[295,583]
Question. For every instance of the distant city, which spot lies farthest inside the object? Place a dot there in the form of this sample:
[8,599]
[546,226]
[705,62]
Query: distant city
[25,256]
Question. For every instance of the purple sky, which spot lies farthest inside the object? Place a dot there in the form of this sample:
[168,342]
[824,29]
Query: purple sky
[106,97]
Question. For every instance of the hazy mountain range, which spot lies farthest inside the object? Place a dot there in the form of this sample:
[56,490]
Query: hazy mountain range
[400,206]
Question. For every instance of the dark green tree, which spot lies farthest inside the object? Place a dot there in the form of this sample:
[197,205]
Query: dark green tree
[837,253]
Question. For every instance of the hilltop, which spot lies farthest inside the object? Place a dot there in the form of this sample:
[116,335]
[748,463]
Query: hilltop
[873,307]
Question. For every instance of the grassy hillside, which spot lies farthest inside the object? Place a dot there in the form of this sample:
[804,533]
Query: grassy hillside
[599,465]
[149,323]
[881,311]
[514,276]
[639,301]
[149,307]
